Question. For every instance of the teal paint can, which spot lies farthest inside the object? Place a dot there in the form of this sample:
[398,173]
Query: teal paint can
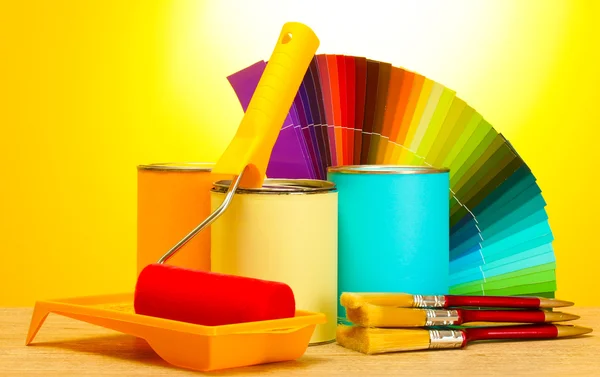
[393,229]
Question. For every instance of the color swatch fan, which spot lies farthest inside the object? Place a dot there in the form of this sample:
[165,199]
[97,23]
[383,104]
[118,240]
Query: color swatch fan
[352,110]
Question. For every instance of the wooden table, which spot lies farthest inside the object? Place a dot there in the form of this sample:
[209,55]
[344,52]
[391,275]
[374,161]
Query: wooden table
[66,347]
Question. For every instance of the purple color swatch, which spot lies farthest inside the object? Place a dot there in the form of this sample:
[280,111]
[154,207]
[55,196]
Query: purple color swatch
[288,160]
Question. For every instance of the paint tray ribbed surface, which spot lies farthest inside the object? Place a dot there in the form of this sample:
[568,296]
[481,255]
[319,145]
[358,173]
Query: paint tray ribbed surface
[185,345]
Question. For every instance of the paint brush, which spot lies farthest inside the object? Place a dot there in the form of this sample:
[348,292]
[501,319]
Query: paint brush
[370,340]
[370,315]
[354,300]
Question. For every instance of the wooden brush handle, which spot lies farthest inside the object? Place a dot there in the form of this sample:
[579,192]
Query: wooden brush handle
[545,331]
[527,316]
[493,301]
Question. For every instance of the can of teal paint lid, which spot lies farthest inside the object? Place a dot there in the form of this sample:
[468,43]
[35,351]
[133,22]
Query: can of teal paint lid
[393,229]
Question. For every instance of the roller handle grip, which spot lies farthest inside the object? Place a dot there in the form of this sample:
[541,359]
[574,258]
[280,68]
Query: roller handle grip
[258,131]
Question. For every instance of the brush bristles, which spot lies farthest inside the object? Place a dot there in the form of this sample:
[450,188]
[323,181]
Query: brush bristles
[369,315]
[373,341]
[355,300]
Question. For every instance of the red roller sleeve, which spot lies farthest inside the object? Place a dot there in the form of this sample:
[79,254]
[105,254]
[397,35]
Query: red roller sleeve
[209,298]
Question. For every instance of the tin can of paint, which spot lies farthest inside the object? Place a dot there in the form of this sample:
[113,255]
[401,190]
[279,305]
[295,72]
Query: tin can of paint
[285,231]
[393,229]
[172,199]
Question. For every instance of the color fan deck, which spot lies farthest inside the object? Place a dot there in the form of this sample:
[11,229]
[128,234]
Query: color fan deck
[353,110]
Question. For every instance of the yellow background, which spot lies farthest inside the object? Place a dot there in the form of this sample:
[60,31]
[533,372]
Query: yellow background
[90,89]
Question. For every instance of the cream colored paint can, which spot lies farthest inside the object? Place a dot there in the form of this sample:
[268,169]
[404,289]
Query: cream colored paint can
[285,231]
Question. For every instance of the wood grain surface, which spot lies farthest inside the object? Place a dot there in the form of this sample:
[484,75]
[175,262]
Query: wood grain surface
[66,347]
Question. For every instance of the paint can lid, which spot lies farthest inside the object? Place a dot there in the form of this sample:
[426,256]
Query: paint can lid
[280,186]
[386,169]
[179,166]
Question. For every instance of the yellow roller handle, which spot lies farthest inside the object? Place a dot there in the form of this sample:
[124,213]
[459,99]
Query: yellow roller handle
[256,135]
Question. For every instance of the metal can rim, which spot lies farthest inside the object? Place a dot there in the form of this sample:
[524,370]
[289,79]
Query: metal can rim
[179,166]
[386,169]
[280,186]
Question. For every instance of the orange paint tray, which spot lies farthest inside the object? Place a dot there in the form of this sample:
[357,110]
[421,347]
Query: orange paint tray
[186,345]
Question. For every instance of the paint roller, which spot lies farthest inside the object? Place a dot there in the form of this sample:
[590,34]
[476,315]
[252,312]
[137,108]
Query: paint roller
[209,298]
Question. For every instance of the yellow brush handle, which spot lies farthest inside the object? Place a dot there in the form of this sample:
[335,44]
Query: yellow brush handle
[256,135]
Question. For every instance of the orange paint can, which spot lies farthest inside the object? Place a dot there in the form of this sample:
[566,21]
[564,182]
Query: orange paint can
[172,199]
